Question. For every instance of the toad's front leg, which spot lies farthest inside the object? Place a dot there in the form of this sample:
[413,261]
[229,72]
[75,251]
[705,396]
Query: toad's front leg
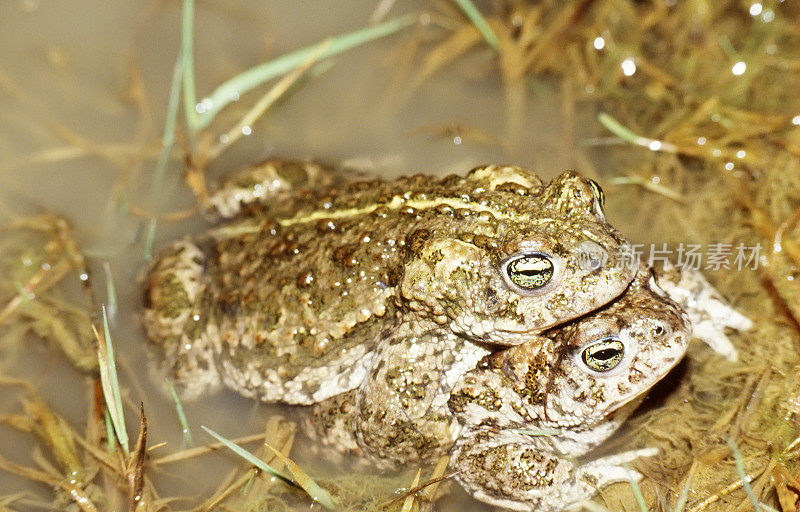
[711,315]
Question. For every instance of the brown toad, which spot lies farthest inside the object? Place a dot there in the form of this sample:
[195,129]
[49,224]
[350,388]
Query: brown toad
[311,288]
[640,323]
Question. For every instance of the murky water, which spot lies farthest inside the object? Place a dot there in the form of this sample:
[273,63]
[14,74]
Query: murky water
[73,141]
[76,140]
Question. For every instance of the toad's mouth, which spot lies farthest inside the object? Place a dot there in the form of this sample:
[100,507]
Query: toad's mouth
[649,383]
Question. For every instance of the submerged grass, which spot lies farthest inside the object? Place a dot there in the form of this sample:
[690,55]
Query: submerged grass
[717,153]
[301,479]
[743,476]
[38,256]
[637,493]
[249,457]
[477,19]
[307,483]
[179,412]
[111,291]
[110,383]
[149,238]
[248,80]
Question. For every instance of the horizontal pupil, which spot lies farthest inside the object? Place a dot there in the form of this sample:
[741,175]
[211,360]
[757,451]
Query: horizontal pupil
[532,272]
[606,353]
[603,355]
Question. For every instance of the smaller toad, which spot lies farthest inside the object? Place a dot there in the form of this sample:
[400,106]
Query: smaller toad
[530,412]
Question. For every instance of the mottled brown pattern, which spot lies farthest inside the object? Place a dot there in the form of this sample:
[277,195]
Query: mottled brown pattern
[374,299]
[296,292]
[544,384]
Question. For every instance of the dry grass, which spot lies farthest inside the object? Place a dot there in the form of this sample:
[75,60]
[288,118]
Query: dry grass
[726,169]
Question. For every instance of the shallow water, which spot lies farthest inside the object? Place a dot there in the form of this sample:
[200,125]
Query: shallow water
[73,142]
[67,68]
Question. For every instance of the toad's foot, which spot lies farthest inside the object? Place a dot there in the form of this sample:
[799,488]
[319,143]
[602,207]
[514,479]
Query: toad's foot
[709,312]
[261,183]
[510,471]
[611,468]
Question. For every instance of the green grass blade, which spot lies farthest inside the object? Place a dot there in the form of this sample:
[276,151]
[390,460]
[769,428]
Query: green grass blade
[273,95]
[111,290]
[110,384]
[186,60]
[617,128]
[480,23]
[119,424]
[255,76]
[110,435]
[168,138]
[149,239]
[627,135]
[308,484]
[187,433]
[737,457]
[637,493]
[303,482]
[249,457]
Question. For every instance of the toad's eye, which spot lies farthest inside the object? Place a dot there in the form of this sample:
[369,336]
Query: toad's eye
[603,355]
[530,271]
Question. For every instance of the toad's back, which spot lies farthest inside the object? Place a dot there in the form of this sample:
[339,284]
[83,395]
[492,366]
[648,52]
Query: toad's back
[299,289]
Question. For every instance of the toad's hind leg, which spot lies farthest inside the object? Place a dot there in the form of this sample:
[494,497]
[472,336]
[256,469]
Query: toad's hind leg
[401,411]
[263,183]
[331,425]
[174,319]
